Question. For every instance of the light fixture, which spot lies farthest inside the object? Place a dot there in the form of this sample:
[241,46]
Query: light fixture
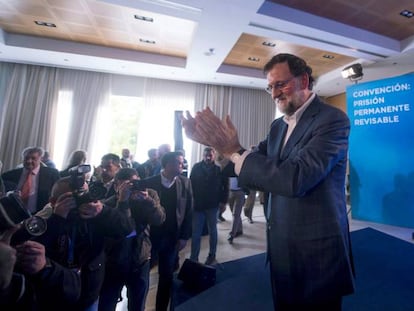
[407,13]
[47,24]
[269,44]
[253,59]
[144,18]
[146,41]
[353,72]
[210,52]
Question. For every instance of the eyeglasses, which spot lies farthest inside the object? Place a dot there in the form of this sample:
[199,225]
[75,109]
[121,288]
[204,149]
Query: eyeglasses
[278,85]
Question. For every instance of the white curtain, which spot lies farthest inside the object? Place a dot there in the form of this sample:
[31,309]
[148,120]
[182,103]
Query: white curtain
[90,93]
[250,110]
[28,110]
[30,96]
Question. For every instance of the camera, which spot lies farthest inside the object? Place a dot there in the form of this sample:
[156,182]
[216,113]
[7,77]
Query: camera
[97,190]
[13,212]
[137,185]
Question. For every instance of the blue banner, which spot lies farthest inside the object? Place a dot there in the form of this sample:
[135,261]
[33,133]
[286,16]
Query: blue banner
[381,150]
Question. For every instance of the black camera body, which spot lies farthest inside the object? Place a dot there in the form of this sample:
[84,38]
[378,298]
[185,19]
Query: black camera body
[137,185]
[97,190]
[13,212]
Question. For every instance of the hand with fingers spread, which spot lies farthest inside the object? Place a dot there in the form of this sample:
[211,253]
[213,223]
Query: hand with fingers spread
[208,129]
[190,127]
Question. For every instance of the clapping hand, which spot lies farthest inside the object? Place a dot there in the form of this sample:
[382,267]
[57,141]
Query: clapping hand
[207,129]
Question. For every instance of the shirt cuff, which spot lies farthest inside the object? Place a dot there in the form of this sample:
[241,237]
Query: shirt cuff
[238,160]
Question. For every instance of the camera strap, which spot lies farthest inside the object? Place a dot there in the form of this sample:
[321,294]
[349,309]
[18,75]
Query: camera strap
[71,250]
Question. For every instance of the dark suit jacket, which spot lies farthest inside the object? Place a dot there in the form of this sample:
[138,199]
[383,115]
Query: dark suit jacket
[184,206]
[47,177]
[308,232]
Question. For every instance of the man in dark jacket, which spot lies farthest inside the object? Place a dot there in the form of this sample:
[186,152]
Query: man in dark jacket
[302,165]
[31,281]
[34,181]
[210,190]
[176,197]
[128,259]
[75,237]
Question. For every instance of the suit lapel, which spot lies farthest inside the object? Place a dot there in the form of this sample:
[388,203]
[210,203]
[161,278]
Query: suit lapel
[276,136]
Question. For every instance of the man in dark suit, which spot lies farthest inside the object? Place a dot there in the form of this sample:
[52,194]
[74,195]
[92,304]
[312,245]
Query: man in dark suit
[41,180]
[302,165]
[167,240]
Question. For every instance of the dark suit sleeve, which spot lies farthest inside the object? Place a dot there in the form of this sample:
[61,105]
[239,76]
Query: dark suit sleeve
[113,222]
[309,161]
[56,283]
[148,211]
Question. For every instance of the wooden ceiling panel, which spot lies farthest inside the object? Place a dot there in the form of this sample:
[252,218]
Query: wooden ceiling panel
[73,17]
[82,29]
[72,5]
[99,23]
[360,14]
[34,10]
[105,10]
[251,46]
[116,36]
[88,39]
[110,24]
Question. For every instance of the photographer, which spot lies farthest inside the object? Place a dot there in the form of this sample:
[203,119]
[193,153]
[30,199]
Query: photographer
[76,231]
[31,281]
[128,259]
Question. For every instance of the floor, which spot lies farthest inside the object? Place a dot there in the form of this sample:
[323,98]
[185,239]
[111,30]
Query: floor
[250,243]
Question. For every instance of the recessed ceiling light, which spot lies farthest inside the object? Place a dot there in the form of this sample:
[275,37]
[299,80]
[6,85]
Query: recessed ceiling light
[41,23]
[210,52]
[143,18]
[328,56]
[254,59]
[407,13]
[146,41]
[270,44]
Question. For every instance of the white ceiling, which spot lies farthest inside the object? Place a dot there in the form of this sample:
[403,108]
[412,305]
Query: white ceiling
[219,25]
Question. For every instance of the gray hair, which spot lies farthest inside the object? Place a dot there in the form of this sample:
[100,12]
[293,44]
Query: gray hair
[29,150]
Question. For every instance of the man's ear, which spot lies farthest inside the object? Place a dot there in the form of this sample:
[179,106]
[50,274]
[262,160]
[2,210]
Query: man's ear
[304,81]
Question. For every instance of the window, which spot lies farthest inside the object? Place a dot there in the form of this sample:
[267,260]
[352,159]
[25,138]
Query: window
[63,119]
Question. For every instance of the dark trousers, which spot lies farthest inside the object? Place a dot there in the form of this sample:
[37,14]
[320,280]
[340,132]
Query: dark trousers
[166,249]
[136,282]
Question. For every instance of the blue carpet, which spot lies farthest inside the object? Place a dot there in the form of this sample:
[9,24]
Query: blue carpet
[384,280]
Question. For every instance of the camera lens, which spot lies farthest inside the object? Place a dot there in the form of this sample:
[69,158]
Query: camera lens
[35,225]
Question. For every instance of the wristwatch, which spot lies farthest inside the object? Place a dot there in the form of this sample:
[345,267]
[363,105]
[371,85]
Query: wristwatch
[235,157]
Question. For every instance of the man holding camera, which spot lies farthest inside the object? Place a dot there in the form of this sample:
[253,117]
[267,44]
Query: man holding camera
[31,281]
[128,259]
[76,233]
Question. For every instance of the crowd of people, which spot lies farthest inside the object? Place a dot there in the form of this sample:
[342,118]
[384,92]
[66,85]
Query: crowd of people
[106,229]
